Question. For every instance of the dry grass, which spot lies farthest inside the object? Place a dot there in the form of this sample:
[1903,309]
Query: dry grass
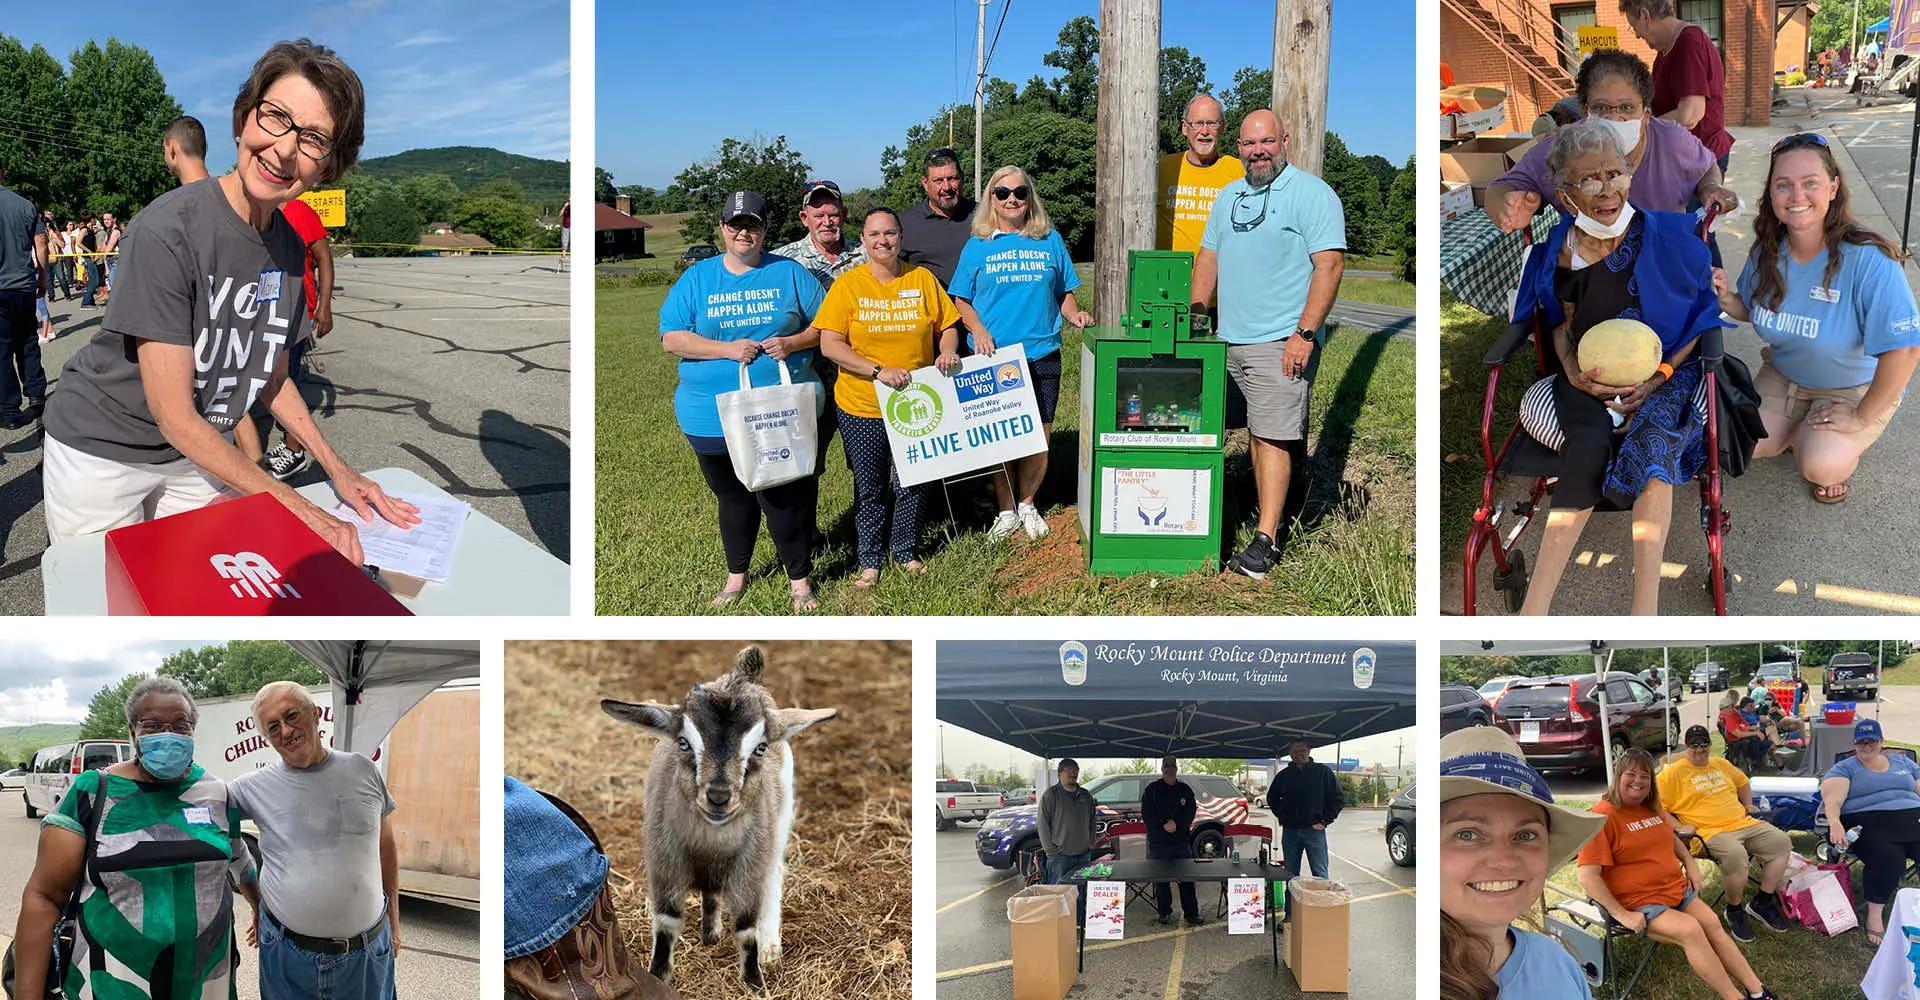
[848,913]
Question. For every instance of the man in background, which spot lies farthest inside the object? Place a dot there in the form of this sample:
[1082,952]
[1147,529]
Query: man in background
[933,232]
[23,253]
[1305,799]
[184,146]
[827,253]
[1167,807]
[1189,182]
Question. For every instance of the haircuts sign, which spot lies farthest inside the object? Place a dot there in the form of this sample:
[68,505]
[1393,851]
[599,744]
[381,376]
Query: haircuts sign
[984,415]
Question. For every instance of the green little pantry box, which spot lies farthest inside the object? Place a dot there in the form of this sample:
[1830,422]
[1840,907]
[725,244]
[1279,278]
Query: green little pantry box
[1152,414]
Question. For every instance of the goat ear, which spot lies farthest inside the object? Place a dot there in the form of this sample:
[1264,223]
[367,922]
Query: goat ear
[655,719]
[750,664]
[789,721]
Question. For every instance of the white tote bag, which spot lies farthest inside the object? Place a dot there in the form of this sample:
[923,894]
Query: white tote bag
[772,431]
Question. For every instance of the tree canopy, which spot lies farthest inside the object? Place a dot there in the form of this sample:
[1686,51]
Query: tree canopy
[84,138]
[240,667]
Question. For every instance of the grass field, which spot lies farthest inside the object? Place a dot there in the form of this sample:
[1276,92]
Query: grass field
[659,549]
[1379,291]
[1905,672]
[1465,335]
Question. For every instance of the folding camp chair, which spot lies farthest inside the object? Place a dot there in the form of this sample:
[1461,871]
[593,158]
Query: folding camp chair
[1598,943]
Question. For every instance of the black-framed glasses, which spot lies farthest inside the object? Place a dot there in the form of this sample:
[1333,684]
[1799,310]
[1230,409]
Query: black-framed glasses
[1243,223]
[154,727]
[1003,193]
[276,122]
[1799,140]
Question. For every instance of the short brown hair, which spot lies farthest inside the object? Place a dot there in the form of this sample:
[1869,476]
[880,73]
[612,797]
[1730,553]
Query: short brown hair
[1629,760]
[337,83]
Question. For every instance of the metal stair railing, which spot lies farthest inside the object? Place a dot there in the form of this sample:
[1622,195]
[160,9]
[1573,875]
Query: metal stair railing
[1500,20]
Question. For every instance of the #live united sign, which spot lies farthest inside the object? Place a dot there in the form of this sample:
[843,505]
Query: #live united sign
[984,415]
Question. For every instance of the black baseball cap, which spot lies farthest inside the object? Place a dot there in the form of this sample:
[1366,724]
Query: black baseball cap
[1697,736]
[815,187]
[742,203]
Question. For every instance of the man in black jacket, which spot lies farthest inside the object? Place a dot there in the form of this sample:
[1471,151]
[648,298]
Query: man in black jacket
[1167,807]
[1305,799]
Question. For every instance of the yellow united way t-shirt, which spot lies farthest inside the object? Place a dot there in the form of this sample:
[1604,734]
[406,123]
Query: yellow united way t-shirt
[891,323]
[1706,798]
[1186,195]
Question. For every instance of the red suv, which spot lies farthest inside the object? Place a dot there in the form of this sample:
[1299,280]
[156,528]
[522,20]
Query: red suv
[1556,720]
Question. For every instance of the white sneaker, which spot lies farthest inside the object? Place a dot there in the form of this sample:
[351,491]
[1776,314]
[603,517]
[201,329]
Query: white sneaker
[1031,520]
[1004,525]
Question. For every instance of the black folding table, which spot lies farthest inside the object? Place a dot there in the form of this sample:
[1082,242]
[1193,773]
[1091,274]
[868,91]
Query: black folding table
[1188,870]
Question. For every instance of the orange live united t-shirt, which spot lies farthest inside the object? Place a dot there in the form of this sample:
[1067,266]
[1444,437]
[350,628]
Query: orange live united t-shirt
[1635,851]
[1186,195]
[890,323]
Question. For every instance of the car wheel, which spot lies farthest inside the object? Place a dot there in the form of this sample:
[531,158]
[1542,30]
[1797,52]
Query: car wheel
[1873,694]
[1400,845]
[941,822]
[32,813]
[1209,838]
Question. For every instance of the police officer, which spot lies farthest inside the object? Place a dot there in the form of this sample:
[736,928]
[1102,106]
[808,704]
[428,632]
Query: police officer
[1167,806]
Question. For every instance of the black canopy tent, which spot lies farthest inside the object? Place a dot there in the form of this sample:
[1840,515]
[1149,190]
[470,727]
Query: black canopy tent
[1108,698]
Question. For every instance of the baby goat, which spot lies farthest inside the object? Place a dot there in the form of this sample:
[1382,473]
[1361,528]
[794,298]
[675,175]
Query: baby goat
[719,806]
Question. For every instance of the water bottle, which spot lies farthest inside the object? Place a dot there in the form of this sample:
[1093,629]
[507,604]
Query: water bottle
[1130,411]
[1853,834]
[1761,804]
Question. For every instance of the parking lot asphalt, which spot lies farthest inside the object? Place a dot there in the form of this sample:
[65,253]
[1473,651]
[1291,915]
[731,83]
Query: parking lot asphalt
[439,955]
[457,368]
[973,942]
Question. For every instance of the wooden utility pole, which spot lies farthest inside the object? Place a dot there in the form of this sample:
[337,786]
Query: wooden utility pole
[1302,54]
[979,92]
[1127,148]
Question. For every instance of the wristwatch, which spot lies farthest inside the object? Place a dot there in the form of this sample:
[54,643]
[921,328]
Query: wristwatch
[876,372]
[1304,333]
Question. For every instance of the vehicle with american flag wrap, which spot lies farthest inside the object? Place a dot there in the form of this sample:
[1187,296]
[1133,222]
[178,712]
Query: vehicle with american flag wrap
[1010,838]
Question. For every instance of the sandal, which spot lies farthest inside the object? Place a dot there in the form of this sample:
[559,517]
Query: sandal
[726,597]
[866,579]
[803,603]
[1836,493]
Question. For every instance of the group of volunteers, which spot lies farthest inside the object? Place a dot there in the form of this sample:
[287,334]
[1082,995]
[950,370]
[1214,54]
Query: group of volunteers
[1503,836]
[1828,297]
[207,323]
[146,855]
[925,285]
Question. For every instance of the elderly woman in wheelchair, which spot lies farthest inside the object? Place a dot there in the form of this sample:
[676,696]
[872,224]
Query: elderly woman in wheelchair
[1642,876]
[1621,446]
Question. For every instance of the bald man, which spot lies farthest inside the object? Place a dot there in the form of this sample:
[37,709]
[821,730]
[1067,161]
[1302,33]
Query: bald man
[1273,247]
[1190,181]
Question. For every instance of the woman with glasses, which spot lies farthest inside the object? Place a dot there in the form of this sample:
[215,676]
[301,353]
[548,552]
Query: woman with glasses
[1014,285]
[151,847]
[1622,445]
[1670,168]
[879,323]
[1831,301]
[745,307]
[1878,792]
[197,330]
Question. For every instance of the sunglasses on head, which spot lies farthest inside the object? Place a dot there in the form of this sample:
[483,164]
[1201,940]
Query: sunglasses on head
[1003,193]
[1800,140]
[944,153]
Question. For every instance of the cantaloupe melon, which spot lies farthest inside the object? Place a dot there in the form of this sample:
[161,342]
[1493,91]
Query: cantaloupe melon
[1625,351]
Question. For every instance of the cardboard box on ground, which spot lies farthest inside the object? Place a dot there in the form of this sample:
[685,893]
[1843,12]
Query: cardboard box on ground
[1317,932]
[1045,957]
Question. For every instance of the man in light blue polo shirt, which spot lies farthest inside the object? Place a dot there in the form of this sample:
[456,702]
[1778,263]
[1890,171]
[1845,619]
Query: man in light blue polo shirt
[1274,248]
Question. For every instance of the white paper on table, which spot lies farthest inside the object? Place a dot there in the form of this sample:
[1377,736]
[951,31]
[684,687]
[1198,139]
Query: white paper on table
[1246,912]
[424,550]
[1106,911]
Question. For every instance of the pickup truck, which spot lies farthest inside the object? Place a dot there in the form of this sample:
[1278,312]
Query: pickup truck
[958,800]
[1851,675]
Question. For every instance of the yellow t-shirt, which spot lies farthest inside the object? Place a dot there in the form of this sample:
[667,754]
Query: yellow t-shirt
[891,323]
[1186,194]
[1706,798]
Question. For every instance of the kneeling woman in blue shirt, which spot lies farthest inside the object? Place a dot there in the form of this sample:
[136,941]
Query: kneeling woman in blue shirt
[1501,835]
[1831,300]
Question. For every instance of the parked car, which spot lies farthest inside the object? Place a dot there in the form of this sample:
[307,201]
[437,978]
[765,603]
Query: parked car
[1852,675]
[1495,687]
[1556,720]
[1710,676]
[1400,839]
[16,778]
[1010,838]
[694,255]
[1022,796]
[1462,706]
[960,800]
[53,769]
[1676,684]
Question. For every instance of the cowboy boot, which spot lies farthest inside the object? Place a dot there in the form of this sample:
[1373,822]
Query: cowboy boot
[590,960]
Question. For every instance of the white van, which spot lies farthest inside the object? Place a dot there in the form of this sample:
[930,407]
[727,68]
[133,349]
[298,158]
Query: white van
[54,767]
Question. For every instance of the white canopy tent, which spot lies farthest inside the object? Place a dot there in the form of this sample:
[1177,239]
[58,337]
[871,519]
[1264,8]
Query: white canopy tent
[376,681]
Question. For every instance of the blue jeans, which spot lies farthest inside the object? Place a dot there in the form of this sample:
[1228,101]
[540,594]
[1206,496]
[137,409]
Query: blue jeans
[1294,840]
[96,273]
[20,370]
[1056,874]
[288,970]
[553,871]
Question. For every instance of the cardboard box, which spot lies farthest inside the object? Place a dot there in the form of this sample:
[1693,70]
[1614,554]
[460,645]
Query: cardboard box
[1481,108]
[244,557]
[1456,199]
[1317,933]
[1046,955]
[1477,162]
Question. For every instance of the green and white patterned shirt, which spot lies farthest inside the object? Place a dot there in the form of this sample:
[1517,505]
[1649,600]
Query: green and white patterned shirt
[804,253]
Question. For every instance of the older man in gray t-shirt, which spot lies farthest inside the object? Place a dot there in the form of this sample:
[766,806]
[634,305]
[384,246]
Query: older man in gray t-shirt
[329,874]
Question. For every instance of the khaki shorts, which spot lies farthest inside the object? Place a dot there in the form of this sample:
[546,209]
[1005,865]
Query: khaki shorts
[1277,406]
[1791,401]
[1733,850]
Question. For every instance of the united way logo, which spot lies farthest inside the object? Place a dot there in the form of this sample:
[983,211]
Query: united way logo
[1073,663]
[1364,663]
[252,576]
[915,410]
[1009,376]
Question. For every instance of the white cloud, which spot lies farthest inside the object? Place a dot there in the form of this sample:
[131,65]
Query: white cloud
[50,702]
[424,38]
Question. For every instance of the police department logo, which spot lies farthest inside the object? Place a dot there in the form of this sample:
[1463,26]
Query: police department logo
[1073,663]
[1364,663]
[1008,376]
[915,410]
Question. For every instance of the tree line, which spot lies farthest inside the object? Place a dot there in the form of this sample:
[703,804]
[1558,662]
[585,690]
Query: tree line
[1048,128]
[241,667]
[1740,659]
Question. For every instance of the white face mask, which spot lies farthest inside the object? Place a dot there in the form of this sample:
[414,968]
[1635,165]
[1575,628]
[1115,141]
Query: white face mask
[1599,230]
[1626,133]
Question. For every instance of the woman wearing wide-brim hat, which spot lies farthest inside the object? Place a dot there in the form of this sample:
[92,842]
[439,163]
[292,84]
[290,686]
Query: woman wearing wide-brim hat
[1501,835]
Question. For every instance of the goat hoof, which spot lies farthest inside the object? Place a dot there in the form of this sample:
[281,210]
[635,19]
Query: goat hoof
[754,980]
[710,936]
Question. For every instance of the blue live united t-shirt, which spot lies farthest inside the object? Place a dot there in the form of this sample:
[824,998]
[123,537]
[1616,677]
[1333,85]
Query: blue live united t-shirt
[774,298]
[1831,338]
[1015,283]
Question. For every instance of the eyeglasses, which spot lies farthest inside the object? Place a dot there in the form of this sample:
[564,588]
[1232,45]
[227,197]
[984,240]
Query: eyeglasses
[1799,140]
[1243,222]
[1003,193]
[1204,123]
[1605,110]
[276,122]
[154,727]
[1593,187]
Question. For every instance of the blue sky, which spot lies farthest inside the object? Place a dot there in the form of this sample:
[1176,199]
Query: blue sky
[437,72]
[844,82]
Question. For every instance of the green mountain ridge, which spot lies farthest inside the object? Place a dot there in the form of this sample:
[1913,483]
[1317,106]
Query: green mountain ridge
[544,181]
[18,743]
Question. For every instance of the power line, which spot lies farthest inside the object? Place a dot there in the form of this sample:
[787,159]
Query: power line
[43,120]
[991,46]
[7,131]
[97,139]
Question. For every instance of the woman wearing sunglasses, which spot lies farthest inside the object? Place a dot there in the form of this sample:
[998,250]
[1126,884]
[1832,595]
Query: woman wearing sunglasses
[1014,285]
[1622,445]
[205,303]
[1831,300]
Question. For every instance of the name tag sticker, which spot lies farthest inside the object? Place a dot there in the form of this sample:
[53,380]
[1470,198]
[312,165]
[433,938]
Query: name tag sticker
[909,293]
[268,287]
[1825,294]
[197,815]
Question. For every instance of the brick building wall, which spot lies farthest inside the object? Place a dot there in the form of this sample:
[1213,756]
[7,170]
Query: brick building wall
[1746,40]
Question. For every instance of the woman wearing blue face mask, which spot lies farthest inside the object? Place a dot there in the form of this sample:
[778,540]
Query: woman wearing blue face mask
[154,915]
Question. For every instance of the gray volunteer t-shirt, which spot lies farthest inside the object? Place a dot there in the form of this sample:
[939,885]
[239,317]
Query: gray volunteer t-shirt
[190,273]
[319,842]
[20,222]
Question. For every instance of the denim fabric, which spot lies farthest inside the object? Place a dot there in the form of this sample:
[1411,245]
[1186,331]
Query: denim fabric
[1056,874]
[288,970]
[553,871]
[1294,840]
[20,371]
[95,274]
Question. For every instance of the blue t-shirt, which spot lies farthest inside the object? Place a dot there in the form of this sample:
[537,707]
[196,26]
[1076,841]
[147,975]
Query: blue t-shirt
[1539,967]
[1831,338]
[1871,791]
[1265,239]
[1016,284]
[773,299]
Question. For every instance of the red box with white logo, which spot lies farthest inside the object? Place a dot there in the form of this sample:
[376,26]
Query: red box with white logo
[250,556]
